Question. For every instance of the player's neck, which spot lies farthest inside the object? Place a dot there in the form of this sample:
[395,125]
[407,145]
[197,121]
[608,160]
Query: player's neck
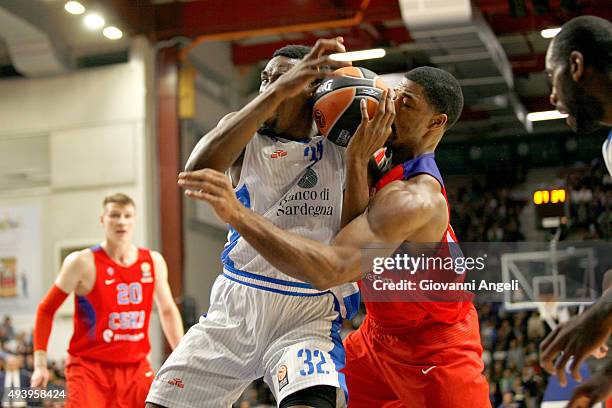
[409,153]
[300,131]
[122,252]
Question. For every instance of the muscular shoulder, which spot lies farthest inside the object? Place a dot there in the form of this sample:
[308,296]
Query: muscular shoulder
[404,207]
[80,260]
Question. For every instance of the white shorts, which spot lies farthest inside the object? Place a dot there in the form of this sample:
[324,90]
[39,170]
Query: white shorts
[292,341]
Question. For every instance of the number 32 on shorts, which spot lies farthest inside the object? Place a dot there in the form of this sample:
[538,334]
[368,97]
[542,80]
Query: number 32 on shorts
[313,361]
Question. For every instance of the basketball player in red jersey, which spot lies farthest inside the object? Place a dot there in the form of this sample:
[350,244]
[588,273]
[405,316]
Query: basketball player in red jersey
[405,354]
[115,284]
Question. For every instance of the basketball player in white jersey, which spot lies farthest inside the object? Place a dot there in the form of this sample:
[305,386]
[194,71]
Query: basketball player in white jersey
[262,322]
[579,65]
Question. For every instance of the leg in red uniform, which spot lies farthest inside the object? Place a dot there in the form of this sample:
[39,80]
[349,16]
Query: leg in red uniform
[364,380]
[133,382]
[87,384]
[96,384]
[433,366]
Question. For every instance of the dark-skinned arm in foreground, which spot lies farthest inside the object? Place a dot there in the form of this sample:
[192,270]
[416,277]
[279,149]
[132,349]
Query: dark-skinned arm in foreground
[222,146]
[580,337]
[399,212]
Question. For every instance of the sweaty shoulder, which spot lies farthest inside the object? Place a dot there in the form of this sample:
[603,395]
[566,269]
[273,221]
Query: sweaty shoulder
[413,210]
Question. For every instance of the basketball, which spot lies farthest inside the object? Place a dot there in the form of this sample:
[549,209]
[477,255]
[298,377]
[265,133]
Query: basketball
[336,103]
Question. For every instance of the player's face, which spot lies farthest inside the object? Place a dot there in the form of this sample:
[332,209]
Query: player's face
[118,222]
[570,96]
[412,116]
[291,109]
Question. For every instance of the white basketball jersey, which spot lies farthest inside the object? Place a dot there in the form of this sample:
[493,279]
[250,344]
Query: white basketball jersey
[606,150]
[298,186]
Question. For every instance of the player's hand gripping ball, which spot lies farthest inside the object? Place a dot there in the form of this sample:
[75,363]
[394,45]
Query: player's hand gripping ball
[336,102]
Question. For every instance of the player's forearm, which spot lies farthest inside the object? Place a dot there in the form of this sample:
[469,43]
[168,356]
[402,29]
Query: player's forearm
[356,195]
[220,147]
[44,316]
[172,325]
[602,310]
[319,264]
[40,359]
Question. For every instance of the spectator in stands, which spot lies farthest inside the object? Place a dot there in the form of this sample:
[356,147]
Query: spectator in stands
[13,378]
[8,332]
[508,401]
[516,355]
[535,327]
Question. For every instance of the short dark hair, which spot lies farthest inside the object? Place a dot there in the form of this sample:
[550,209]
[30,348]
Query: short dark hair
[442,91]
[589,35]
[293,51]
[119,199]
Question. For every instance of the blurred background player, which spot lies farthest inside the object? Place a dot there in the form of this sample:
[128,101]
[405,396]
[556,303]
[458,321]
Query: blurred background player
[579,65]
[115,284]
[262,322]
[405,353]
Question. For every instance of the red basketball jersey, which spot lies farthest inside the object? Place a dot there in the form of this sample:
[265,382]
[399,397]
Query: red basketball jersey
[394,314]
[111,323]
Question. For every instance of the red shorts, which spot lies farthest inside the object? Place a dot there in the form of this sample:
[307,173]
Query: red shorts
[93,384]
[430,366]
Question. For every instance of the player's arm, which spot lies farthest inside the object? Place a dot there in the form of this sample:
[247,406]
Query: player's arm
[71,274]
[369,137]
[395,214]
[169,315]
[579,337]
[220,147]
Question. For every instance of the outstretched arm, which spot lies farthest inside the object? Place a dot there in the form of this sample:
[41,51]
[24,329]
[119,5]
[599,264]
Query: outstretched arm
[580,337]
[169,315]
[395,215]
[220,147]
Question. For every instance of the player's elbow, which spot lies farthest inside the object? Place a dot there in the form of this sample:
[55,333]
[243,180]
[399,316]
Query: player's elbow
[168,309]
[203,155]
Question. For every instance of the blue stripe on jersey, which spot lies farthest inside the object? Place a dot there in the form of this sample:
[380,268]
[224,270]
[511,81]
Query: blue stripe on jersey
[338,355]
[87,314]
[351,303]
[282,292]
[96,248]
[230,266]
[425,163]
[244,197]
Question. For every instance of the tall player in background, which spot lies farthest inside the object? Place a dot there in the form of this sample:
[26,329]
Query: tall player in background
[579,65]
[405,354]
[262,322]
[115,284]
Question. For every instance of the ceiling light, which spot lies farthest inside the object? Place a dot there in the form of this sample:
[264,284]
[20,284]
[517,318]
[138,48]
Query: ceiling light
[112,33]
[550,32]
[74,7]
[546,115]
[94,21]
[358,55]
